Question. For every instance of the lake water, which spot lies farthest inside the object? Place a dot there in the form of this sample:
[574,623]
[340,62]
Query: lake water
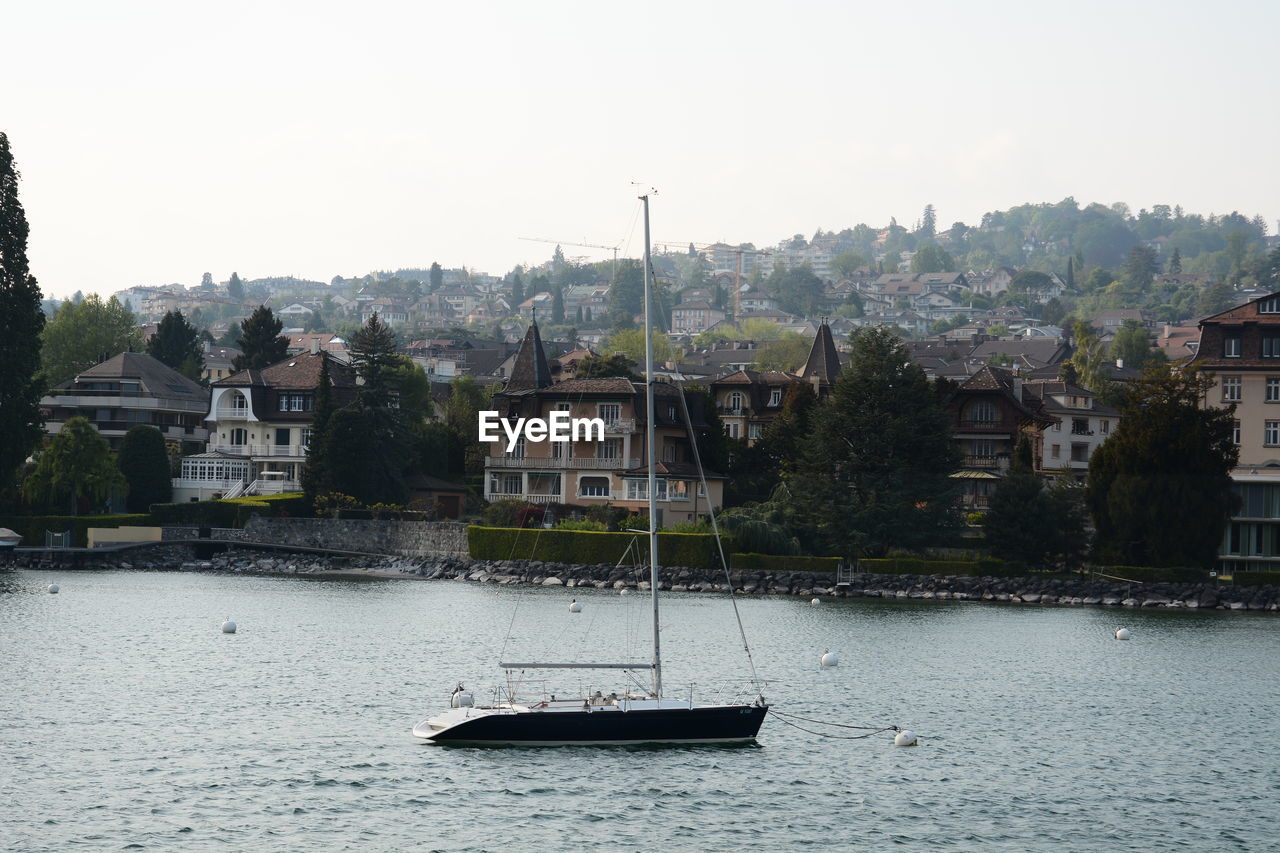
[128,721]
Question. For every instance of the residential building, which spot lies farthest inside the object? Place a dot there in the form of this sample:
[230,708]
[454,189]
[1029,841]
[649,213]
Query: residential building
[1240,350]
[1081,423]
[694,318]
[260,428]
[988,414]
[749,400]
[612,471]
[128,390]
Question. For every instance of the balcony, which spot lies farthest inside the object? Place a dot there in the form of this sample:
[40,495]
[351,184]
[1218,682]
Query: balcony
[995,462]
[620,426]
[584,463]
[281,450]
[231,413]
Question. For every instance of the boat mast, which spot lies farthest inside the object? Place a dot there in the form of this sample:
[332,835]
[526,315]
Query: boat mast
[648,443]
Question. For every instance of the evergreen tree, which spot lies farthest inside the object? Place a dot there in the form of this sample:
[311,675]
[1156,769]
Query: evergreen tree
[384,432]
[21,322]
[206,281]
[235,288]
[1030,524]
[557,306]
[578,317]
[316,476]
[929,224]
[144,462]
[606,366]
[177,344]
[436,276]
[517,290]
[1071,274]
[76,468]
[1159,488]
[1175,262]
[260,342]
[877,471]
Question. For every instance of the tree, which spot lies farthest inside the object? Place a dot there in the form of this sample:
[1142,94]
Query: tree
[1030,284]
[631,342]
[75,469]
[177,344]
[1175,262]
[557,306]
[1071,274]
[605,366]
[1053,312]
[1090,359]
[144,463]
[436,276]
[1132,346]
[1140,267]
[847,263]
[932,258]
[382,424]
[316,475]
[1030,524]
[80,336]
[876,473]
[235,288]
[517,290]
[788,353]
[461,414]
[1159,488]
[929,222]
[626,296]
[1214,298]
[798,289]
[21,322]
[260,342]
[206,281]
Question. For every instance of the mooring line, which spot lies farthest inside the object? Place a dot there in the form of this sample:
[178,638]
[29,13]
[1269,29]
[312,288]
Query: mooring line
[870,730]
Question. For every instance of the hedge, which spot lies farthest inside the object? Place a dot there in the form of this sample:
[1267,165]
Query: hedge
[771,563]
[1150,574]
[33,527]
[695,550]
[1255,578]
[917,566]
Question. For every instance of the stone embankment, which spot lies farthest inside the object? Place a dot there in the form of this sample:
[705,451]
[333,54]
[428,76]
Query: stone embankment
[1041,591]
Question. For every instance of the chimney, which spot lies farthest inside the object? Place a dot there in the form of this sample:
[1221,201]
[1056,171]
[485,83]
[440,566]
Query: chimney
[315,344]
[1120,363]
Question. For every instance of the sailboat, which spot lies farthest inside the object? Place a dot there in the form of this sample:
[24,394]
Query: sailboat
[596,719]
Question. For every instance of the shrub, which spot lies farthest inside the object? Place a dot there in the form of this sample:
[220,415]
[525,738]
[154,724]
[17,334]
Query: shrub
[580,524]
[33,527]
[770,563]
[503,513]
[1255,578]
[590,547]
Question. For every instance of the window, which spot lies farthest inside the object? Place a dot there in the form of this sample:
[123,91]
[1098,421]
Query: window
[1270,305]
[1057,426]
[638,490]
[1271,346]
[775,396]
[610,448]
[610,412]
[1106,426]
[678,490]
[1235,432]
[985,447]
[1056,451]
[1080,426]
[735,400]
[1231,346]
[982,412]
[1271,435]
[282,437]
[671,414]
[1079,453]
[505,484]
[297,402]
[594,487]
[517,452]
[754,431]
[1231,389]
[562,450]
[733,429]
[307,435]
[239,436]
[561,407]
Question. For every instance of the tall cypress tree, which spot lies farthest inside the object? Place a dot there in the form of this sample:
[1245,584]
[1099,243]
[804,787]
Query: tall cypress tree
[316,479]
[176,343]
[21,322]
[261,344]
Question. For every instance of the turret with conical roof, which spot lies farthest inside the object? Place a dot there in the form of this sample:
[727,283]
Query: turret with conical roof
[822,368]
[530,370]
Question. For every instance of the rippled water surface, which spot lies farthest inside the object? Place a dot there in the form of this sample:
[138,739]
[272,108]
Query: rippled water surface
[128,721]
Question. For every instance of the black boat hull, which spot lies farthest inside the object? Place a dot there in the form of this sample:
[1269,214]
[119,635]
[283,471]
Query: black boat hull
[718,724]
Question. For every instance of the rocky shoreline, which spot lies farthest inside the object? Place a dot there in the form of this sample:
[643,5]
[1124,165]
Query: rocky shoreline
[1028,590]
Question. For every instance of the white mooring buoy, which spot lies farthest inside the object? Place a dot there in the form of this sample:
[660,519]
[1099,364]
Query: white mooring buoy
[228,627]
[1123,634]
[905,738]
[831,659]
[574,606]
[815,601]
[624,591]
[53,588]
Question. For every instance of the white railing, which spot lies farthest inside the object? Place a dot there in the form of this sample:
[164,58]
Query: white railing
[235,491]
[196,483]
[590,463]
[231,413]
[259,449]
[272,487]
[620,425]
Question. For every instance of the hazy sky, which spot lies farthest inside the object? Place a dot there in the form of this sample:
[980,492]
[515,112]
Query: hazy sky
[158,141]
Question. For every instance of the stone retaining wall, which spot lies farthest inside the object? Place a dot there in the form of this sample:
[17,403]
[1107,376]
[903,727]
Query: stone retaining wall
[402,538]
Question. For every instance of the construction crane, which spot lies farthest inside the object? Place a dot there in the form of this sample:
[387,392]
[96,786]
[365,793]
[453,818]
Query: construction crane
[614,248]
[737,282]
